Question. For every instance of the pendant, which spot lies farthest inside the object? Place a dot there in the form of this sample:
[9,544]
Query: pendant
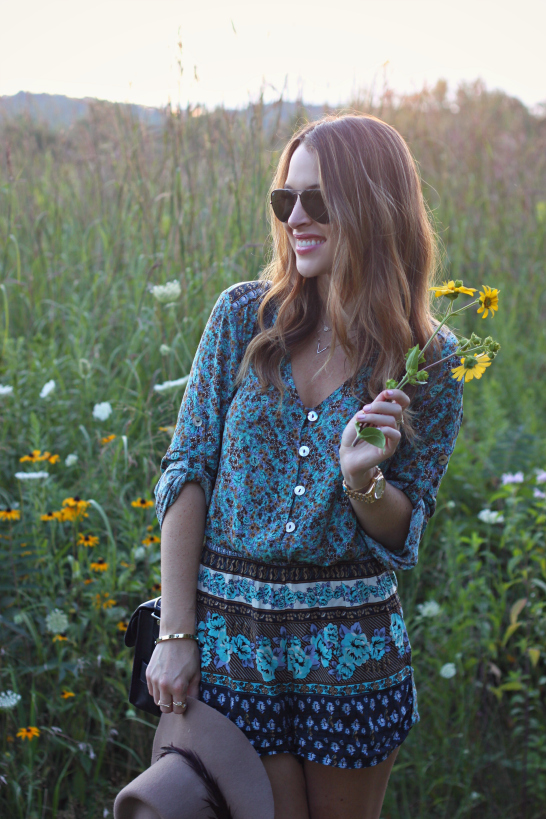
[323,349]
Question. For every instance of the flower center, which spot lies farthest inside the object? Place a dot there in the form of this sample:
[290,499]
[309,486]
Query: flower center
[487,302]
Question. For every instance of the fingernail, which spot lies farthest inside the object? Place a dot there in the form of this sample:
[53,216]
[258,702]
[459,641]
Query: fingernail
[389,392]
[367,408]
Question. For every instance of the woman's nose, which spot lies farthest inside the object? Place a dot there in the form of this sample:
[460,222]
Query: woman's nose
[298,215]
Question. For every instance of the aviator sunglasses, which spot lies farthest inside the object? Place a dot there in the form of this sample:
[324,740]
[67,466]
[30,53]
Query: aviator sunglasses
[283,202]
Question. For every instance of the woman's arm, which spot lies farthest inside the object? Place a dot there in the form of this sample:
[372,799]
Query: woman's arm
[386,520]
[174,669]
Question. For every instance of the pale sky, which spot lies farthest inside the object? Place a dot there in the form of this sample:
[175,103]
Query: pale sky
[126,50]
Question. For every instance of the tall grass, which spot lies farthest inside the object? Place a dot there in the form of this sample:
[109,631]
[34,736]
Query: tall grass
[89,219]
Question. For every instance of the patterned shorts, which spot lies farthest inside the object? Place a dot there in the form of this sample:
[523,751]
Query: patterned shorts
[308,660]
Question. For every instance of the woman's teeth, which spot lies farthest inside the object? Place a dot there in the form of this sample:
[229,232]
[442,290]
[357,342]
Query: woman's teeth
[309,242]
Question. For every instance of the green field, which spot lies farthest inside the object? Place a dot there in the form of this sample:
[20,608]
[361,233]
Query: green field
[90,218]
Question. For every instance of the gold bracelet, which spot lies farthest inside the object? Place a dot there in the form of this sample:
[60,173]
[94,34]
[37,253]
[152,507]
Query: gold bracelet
[176,637]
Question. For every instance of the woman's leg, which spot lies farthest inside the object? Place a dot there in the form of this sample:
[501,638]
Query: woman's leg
[288,784]
[337,793]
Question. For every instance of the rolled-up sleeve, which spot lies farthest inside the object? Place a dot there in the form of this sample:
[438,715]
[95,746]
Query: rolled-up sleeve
[417,469]
[194,452]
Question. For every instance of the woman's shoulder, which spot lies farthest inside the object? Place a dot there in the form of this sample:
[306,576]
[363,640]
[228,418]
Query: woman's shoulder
[244,295]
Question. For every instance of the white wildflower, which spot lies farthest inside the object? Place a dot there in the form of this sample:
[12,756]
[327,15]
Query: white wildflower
[448,671]
[5,390]
[56,622]
[86,748]
[139,553]
[516,477]
[172,385]
[102,411]
[56,729]
[537,493]
[166,293]
[105,813]
[164,349]
[47,389]
[71,459]
[31,476]
[490,516]
[429,609]
[541,476]
[8,699]
[18,618]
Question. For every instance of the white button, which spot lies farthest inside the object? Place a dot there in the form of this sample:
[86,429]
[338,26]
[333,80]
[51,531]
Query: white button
[299,490]
[290,526]
[197,421]
[304,451]
[312,416]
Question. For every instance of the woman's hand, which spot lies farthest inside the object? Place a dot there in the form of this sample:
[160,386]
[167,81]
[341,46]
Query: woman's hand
[358,463]
[174,673]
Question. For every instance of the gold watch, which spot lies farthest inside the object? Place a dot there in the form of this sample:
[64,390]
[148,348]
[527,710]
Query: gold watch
[372,494]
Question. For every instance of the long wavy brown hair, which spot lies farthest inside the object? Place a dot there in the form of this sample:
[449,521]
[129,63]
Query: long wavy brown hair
[385,255]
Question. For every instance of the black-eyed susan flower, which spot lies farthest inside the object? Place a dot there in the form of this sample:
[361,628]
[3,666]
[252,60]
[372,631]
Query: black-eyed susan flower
[103,601]
[67,694]
[59,638]
[452,289]
[28,733]
[32,457]
[122,625]
[88,581]
[107,439]
[151,539]
[471,367]
[76,503]
[53,459]
[156,587]
[87,540]
[489,301]
[10,514]
[49,516]
[99,565]
[142,503]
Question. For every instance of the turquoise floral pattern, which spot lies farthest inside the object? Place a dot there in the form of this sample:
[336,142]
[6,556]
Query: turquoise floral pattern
[339,649]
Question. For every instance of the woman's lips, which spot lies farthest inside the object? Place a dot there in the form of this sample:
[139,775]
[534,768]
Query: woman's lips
[306,244]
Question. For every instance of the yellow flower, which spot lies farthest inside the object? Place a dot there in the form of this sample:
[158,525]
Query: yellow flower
[100,565]
[142,503]
[49,516]
[122,625]
[151,539]
[107,439]
[473,367]
[451,289]
[87,540]
[489,301]
[104,601]
[28,733]
[10,514]
[76,503]
[124,564]
[156,587]
[32,456]
[53,459]
[169,430]
[58,638]
[66,694]
[88,581]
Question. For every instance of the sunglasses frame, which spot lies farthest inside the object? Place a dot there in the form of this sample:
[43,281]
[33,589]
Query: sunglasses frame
[322,219]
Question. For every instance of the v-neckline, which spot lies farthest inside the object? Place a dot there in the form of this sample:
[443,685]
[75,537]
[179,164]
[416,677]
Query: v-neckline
[292,384]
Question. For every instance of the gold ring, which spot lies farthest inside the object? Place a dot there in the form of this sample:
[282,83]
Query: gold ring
[165,704]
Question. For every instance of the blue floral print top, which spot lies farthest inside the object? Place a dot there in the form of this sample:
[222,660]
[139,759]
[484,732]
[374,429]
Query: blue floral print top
[270,470]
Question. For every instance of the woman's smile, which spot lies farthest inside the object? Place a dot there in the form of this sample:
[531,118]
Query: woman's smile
[307,242]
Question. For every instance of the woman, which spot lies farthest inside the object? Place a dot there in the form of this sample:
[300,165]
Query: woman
[293,597]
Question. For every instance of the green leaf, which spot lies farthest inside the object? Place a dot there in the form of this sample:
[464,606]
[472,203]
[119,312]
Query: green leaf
[412,359]
[372,436]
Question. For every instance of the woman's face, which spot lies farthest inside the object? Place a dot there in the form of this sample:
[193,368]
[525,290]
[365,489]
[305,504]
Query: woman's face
[311,241]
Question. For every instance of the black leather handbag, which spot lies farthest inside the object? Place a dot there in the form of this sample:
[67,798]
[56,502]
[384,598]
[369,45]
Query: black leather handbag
[142,632]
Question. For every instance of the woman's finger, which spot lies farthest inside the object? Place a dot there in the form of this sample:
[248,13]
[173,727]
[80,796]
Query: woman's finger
[376,420]
[394,395]
[383,407]
[179,698]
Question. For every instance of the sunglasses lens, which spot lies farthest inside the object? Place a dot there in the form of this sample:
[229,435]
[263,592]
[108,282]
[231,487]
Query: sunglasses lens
[282,202]
[314,206]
